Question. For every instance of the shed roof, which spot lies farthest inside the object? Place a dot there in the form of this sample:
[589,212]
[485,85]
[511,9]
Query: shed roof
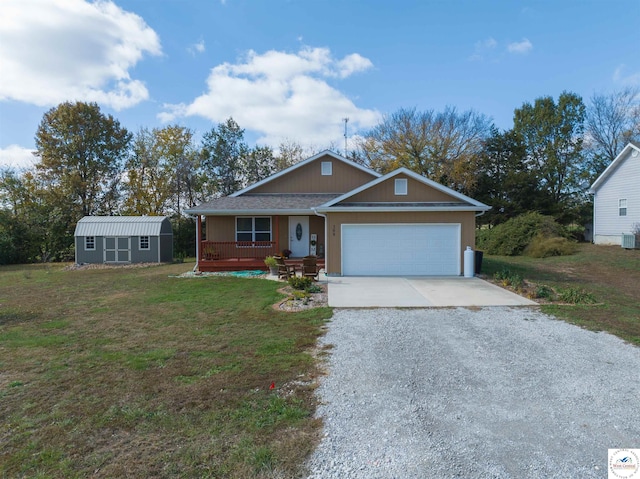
[120,226]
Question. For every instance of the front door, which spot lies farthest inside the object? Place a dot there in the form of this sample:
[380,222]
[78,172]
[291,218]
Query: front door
[117,250]
[299,236]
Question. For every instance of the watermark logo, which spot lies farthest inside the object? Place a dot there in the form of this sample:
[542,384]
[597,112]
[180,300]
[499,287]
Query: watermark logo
[624,464]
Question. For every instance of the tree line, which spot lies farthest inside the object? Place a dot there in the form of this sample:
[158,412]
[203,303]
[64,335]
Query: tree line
[88,164]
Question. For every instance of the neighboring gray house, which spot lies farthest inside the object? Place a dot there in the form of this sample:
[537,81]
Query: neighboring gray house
[616,198]
[124,239]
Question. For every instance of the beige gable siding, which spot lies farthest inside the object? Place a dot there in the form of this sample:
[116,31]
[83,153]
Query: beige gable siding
[416,192]
[308,179]
[466,219]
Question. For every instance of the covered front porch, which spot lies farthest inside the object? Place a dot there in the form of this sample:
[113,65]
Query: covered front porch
[301,235]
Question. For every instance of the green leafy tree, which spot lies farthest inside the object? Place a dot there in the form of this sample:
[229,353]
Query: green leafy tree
[223,150]
[552,134]
[443,146]
[504,180]
[257,164]
[162,172]
[81,153]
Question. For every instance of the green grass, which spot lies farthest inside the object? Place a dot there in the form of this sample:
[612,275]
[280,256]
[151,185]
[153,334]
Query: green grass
[133,373]
[605,278]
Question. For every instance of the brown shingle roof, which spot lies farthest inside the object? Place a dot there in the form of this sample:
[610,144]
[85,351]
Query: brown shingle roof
[290,202]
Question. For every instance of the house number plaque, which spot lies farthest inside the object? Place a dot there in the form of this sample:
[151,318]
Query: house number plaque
[299,231]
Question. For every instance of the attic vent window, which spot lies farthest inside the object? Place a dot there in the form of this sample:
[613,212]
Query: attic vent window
[622,207]
[401,186]
[327,168]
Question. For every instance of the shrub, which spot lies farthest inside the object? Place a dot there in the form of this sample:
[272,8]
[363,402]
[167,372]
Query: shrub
[576,296]
[512,237]
[509,278]
[541,247]
[300,282]
[543,291]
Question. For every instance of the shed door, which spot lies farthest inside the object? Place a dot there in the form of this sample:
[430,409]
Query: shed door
[117,250]
[401,250]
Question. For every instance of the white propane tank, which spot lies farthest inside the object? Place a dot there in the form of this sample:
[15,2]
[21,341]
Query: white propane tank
[469,262]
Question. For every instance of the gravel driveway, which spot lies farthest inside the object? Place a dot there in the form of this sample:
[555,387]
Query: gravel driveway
[490,393]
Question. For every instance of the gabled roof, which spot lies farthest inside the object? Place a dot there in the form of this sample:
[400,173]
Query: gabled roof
[631,146]
[120,226]
[301,164]
[466,203]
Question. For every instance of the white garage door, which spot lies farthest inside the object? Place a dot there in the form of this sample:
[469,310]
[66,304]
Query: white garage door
[401,250]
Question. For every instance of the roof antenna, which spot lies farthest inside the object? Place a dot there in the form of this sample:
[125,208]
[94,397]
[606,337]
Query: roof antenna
[346,120]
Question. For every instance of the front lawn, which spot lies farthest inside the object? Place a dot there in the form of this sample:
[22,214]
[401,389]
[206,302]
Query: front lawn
[128,372]
[609,274]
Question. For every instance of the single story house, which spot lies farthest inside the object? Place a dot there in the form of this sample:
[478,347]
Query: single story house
[616,198]
[124,239]
[356,220]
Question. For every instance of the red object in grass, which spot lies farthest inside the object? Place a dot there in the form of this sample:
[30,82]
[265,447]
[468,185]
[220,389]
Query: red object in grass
[273,386]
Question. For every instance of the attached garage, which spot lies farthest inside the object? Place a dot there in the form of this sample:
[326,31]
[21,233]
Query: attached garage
[401,249]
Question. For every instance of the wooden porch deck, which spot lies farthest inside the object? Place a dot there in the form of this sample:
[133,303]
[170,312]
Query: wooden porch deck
[245,264]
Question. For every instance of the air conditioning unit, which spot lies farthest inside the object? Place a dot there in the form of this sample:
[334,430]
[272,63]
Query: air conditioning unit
[629,241]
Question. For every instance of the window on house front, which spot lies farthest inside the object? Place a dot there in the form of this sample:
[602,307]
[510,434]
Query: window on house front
[89,243]
[256,228]
[622,207]
[401,186]
[327,168]
[144,242]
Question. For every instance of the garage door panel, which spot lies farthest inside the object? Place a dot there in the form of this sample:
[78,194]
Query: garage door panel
[411,249]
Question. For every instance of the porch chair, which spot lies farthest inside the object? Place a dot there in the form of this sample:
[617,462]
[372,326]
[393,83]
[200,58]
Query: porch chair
[285,271]
[310,267]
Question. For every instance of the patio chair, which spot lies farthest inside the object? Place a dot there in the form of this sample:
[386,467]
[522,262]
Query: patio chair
[285,271]
[310,267]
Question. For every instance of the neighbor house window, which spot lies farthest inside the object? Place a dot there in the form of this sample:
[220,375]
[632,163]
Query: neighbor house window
[401,186]
[144,242]
[90,243]
[256,228]
[622,207]
[327,168]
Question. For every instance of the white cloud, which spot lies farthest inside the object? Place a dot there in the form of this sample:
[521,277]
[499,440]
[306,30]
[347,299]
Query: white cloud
[282,95]
[62,50]
[483,48]
[198,47]
[525,46]
[18,157]
[622,76]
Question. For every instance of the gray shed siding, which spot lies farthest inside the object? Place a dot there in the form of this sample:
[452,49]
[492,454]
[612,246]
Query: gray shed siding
[115,241]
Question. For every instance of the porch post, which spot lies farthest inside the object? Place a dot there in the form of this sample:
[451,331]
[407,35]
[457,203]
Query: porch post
[277,228]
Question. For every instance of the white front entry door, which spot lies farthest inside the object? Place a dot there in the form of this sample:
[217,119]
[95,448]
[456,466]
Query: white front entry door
[299,236]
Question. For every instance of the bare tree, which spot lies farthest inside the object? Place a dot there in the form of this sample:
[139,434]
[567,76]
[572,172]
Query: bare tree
[612,121]
[443,146]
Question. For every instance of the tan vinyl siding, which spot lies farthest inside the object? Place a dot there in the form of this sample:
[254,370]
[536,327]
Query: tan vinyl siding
[220,228]
[308,179]
[466,219]
[416,192]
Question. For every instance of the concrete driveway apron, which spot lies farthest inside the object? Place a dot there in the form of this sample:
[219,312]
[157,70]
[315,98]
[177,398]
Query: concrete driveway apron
[418,292]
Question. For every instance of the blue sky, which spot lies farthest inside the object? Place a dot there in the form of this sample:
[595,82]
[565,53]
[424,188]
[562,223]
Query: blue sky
[292,69]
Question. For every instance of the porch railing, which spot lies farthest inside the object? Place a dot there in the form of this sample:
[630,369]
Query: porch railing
[216,250]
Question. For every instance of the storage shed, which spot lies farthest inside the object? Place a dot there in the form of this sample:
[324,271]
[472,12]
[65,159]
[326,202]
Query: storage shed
[124,239]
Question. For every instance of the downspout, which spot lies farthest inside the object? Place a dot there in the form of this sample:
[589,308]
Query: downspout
[198,239]
[326,243]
